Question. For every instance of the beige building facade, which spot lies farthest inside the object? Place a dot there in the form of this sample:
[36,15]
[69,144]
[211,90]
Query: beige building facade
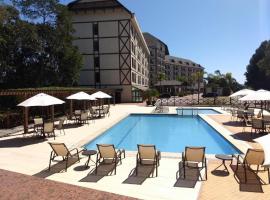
[115,54]
[158,51]
[176,68]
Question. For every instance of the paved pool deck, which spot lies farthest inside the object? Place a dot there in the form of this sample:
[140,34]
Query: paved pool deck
[28,155]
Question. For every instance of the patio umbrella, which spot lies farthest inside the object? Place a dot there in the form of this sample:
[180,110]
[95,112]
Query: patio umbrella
[41,99]
[259,95]
[81,96]
[101,95]
[243,92]
[264,141]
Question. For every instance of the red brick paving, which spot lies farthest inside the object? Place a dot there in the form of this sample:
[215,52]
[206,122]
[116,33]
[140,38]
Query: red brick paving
[15,186]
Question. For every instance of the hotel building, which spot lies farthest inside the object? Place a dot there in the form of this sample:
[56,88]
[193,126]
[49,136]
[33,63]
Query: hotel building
[158,51]
[179,67]
[172,67]
[115,53]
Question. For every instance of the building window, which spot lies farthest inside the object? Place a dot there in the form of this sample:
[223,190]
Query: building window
[96,45]
[132,48]
[133,77]
[96,62]
[139,80]
[97,77]
[133,63]
[137,95]
[95,29]
[139,68]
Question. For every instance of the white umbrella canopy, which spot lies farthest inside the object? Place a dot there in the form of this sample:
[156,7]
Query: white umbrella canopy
[81,96]
[101,95]
[41,99]
[259,95]
[243,92]
[264,141]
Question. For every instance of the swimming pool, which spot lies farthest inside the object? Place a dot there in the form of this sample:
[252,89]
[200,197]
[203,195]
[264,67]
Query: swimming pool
[189,111]
[170,133]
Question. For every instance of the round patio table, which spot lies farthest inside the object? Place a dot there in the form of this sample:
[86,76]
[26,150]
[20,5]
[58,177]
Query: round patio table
[89,153]
[224,158]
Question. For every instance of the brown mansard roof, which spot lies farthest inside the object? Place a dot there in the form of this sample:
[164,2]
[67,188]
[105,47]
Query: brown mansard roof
[96,4]
[150,36]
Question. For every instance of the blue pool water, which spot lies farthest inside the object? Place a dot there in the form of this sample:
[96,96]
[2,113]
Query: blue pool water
[188,111]
[170,133]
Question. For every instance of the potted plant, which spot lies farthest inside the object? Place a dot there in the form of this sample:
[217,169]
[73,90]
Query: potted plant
[150,96]
[154,95]
[147,97]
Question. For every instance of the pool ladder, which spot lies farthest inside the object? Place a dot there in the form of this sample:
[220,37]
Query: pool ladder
[180,111]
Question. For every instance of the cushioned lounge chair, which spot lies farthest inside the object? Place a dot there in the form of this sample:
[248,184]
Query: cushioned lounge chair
[194,157]
[60,149]
[148,155]
[107,154]
[253,157]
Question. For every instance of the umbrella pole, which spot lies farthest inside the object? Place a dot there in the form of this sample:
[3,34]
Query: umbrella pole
[262,108]
[25,121]
[52,113]
[99,107]
[70,108]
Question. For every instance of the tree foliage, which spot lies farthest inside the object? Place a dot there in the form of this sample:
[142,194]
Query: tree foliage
[37,54]
[224,81]
[258,70]
[45,10]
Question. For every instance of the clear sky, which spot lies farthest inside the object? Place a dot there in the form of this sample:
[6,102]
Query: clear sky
[218,34]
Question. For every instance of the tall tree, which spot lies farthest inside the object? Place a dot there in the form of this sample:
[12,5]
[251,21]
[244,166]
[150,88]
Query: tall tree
[19,47]
[258,70]
[161,77]
[37,55]
[224,81]
[44,10]
[198,78]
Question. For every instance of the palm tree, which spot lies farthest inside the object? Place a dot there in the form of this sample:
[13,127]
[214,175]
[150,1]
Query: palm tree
[161,77]
[183,80]
[198,77]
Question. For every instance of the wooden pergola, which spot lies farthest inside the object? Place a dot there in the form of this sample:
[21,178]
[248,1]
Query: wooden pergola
[59,92]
